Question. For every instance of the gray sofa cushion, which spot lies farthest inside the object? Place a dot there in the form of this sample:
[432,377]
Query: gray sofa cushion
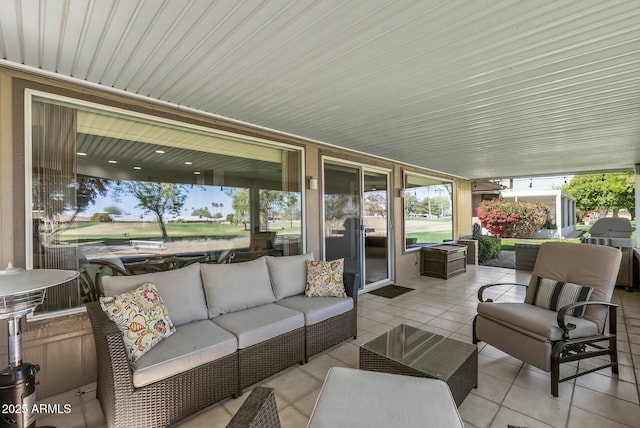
[288,274]
[190,346]
[360,398]
[236,286]
[317,309]
[255,325]
[536,322]
[180,289]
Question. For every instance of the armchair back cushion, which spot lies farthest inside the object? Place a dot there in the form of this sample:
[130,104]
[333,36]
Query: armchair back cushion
[180,289]
[236,286]
[585,264]
[288,274]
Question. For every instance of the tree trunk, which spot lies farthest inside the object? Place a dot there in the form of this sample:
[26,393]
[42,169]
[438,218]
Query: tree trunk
[163,228]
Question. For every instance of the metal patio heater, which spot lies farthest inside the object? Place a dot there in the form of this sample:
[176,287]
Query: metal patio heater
[20,292]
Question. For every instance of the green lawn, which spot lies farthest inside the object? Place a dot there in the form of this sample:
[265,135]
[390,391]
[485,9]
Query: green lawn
[430,237]
[135,230]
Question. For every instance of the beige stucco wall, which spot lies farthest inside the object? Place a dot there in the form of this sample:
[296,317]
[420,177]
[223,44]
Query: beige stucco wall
[463,208]
[63,346]
[6,172]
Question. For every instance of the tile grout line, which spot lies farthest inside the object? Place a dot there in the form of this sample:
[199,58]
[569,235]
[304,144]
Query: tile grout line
[633,363]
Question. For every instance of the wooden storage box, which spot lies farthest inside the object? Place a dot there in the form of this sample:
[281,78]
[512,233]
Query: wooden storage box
[443,261]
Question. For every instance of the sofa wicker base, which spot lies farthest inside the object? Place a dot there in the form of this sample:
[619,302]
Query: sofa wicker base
[330,332]
[161,403]
[267,358]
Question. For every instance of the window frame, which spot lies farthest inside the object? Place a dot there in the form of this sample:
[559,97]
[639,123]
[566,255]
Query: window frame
[29,95]
[405,190]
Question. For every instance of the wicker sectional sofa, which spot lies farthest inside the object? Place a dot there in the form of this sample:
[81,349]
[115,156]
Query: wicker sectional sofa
[236,324]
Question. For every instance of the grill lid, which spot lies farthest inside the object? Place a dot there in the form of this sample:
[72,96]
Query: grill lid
[611,227]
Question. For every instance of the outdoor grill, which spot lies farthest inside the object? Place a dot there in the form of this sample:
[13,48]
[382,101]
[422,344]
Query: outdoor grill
[615,232]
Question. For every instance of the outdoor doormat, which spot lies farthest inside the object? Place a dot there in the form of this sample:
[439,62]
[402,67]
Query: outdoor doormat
[391,291]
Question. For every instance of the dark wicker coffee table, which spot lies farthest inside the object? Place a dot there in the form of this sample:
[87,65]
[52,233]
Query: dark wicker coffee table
[409,351]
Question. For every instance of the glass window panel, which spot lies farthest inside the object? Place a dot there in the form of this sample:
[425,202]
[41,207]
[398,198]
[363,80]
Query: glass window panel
[112,191]
[428,210]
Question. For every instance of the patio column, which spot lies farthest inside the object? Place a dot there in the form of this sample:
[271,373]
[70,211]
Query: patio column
[637,211]
[559,218]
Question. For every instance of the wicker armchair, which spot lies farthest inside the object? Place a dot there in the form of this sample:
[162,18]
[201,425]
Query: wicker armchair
[258,411]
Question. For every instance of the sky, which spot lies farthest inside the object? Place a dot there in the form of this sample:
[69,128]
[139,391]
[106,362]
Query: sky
[198,197]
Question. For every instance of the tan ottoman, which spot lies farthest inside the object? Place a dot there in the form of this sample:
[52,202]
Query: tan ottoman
[358,398]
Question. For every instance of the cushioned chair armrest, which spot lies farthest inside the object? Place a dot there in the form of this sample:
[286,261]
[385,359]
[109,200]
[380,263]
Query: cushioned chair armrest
[258,411]
[566,327]
[351,280]
[484,287]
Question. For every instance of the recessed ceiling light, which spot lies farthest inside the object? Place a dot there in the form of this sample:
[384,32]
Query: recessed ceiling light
[137,167]
[113,161]
[160,151]
[188,163]
[81,154]
[196,172]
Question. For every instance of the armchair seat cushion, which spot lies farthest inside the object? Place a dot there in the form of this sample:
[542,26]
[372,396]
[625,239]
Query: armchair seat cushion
[534,321]
[317,309]
[260,323]
[190,346]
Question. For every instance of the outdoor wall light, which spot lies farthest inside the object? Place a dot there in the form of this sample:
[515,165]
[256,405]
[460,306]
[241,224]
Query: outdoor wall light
[312,182]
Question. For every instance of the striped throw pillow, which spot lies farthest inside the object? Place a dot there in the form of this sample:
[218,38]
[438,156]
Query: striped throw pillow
[553,295]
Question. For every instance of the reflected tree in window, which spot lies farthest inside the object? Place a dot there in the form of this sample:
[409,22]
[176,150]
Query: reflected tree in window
[240,205]
[160,198]
[59,201]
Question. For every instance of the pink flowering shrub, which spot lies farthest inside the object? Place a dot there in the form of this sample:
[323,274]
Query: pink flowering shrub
[508,219]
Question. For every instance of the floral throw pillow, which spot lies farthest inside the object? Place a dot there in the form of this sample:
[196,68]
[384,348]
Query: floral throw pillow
[142,318]
[324,279]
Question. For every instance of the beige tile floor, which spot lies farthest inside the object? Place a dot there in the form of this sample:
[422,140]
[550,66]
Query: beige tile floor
[509,392]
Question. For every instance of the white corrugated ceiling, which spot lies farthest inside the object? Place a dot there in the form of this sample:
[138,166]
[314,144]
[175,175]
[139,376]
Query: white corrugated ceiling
[478,89]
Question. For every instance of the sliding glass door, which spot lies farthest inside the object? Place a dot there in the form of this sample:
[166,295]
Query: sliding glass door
[376,221]
[342,215]
[356,219]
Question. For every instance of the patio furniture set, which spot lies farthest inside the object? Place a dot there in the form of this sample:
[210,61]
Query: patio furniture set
[406,375]
[235,325]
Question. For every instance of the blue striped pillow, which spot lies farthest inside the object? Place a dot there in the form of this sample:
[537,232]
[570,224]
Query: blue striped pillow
[552,294]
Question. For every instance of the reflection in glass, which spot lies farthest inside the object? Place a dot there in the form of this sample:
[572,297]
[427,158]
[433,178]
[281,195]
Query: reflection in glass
[342,215]
[428,210]
[146,195]
[376,237]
